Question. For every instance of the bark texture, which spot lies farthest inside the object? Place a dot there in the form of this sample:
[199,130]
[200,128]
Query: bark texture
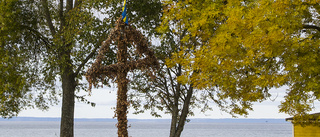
[67,113]
[68,91]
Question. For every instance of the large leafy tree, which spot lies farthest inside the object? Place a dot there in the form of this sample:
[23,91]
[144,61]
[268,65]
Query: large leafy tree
[49,40]
[175,88]
[221,63]
[19,54]
[55,41]
[252,46]
[236,49]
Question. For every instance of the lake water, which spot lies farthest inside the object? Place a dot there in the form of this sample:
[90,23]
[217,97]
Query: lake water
[145,129]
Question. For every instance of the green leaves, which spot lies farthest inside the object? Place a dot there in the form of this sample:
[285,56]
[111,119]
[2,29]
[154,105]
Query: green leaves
[13,84]
[144,14]
[49,39]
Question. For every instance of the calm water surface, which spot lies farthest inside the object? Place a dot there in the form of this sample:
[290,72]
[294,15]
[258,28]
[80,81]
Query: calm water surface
[145,129]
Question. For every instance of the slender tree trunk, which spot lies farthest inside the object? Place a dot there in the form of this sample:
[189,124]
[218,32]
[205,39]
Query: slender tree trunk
[174,120]
[175,109]
[67,113]
[184,112]
[122,81]
[178,120]
[177,126]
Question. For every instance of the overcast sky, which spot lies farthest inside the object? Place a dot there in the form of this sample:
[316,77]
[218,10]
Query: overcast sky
[105,99]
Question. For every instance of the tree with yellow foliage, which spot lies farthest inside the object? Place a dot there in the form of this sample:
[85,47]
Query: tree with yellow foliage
[250,46]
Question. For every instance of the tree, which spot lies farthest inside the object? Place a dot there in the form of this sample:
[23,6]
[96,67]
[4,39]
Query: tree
[220,63]
[17,77]
[165,92]
[48,43]
[44,37]
[209,59]
[253,46]
[56,39]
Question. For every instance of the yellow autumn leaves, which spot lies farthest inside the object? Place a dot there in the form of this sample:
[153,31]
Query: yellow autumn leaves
[247,47]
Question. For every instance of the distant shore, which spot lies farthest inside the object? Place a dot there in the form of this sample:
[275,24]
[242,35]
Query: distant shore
[196,120]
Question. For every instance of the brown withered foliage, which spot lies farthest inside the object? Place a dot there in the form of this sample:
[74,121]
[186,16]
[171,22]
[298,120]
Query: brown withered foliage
[123,34]
[98,73]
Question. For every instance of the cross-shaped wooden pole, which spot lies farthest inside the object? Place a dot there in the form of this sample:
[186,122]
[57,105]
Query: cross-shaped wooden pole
[124,35]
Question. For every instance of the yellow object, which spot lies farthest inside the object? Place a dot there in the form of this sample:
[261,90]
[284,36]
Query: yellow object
[307,131]
[124,4]
[124,12]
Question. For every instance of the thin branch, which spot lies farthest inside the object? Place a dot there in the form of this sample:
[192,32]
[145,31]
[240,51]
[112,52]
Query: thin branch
[48,16]
[159,86]
[183,34]
[160,81]
[171,81]
[38,34]
[167,91]
[178,87]
[86,60]
[182,95]
[166,103]
[311,27]
[185,87]
[89,56]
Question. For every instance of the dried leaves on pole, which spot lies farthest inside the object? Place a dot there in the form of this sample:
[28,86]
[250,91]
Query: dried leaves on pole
[122,34]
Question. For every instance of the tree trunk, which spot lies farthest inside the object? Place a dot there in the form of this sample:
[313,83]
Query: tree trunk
[68,92]
[67,113]
[177,126]
[67,76]
[122,81]
[174,120]
[178,121]
[184,112]
[175,109]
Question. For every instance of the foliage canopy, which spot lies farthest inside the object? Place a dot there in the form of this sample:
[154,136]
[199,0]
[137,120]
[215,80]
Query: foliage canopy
[54,41]
[250,47]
